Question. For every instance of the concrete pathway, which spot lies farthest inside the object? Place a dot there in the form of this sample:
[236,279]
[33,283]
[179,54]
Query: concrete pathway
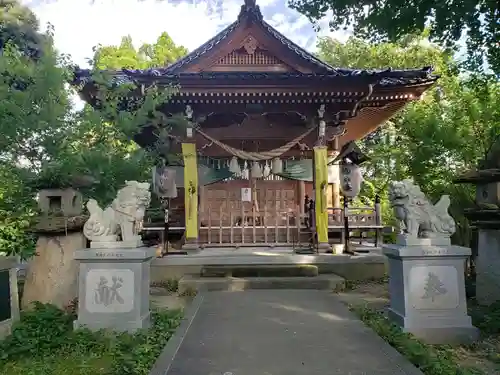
[276,332]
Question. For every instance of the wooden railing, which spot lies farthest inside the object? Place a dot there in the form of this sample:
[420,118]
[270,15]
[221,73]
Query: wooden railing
[247,227]
[358,217]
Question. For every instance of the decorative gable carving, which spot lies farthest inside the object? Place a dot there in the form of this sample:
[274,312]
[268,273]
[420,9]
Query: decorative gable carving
[249,55]
[250,44]
[250,58]
[243,58]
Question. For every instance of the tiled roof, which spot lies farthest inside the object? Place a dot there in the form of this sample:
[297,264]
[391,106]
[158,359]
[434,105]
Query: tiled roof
[249,13]
[384,78]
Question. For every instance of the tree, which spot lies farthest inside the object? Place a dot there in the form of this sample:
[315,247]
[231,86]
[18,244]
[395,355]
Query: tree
[160,54]
[434,139]
[33,115]
[103,138]
[19,26]
[34,105]
[479,20]
[44,142]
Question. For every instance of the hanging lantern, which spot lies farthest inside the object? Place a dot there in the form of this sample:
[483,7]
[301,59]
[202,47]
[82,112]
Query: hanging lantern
[350,179]
[245,172]
[267,170]
[256,170]
[277,166]
[234,167]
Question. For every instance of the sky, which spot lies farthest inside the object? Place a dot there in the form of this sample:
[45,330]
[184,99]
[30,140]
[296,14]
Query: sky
[82,24]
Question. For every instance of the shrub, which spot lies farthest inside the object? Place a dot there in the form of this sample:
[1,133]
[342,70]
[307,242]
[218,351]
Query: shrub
[430,359]
[45,337]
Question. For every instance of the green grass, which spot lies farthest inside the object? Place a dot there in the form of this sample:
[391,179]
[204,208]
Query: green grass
[61,364]
[430,359]
[43,342]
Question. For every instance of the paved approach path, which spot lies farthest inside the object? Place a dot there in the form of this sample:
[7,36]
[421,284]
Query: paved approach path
[277,332]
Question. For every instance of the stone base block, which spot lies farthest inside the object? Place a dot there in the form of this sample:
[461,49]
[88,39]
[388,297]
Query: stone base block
[111,243]
[488,267]
[405,240]
[51,276]
[324,247]
[438,330]
[114,288]
[191,245]
[116,323]
[427,290]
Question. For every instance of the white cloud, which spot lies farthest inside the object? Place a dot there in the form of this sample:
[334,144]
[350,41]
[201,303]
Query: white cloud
[82,24]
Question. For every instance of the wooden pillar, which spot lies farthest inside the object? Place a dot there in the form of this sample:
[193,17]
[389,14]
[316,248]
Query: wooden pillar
[301,197]
[320,183]
[202,201]
[191,188]
[320,177]
[334,189]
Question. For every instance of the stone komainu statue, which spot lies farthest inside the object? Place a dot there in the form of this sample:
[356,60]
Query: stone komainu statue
[121,217]
[420,218]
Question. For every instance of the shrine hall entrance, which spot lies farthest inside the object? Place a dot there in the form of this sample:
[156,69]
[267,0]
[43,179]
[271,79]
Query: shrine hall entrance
[235,213]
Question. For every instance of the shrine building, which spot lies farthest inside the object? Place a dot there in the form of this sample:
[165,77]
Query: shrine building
[267,121]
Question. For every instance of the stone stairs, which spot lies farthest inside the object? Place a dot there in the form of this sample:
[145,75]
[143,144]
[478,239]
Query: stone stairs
[239,278]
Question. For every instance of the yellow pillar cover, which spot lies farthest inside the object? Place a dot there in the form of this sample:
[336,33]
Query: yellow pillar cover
[190,189]
[320,186]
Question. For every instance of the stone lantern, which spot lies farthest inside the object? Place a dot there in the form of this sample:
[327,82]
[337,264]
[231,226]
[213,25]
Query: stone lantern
[63,202]
[485,218]
[51,275]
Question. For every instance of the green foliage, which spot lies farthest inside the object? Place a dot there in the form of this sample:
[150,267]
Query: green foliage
[40,330]
[478,19]
[35,99]
[19,26]
[33,115]
[432,140]
[486,318]
[171,285]
[431,360]
[160,54]
[44,342]
[45,144]
[14,240]
[135,355]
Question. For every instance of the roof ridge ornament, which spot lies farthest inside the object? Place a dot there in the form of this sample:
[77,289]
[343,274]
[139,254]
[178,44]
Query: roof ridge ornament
[250,11]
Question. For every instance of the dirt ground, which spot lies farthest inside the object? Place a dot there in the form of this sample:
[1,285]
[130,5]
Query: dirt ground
[165,299]
[484,354]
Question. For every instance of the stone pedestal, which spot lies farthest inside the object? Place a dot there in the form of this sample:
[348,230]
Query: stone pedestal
[110,242]
[427,291]
[191,244]
[488,266]
[324,247]
[51,276]
[114,288]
